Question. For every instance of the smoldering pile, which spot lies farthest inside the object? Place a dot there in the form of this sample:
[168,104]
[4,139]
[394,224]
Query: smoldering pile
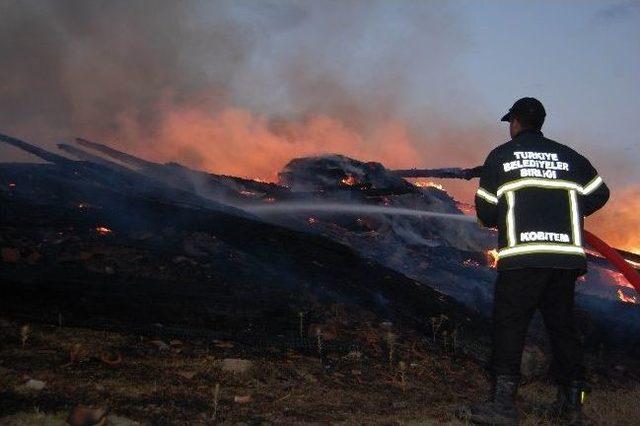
[432,253]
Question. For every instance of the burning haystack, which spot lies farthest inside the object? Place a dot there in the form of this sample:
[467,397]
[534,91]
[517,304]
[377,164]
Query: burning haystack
[131,244]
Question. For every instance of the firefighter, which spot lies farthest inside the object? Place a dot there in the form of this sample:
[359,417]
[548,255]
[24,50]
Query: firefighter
[536,192]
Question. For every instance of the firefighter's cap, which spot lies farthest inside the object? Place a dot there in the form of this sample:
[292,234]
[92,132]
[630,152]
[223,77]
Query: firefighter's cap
[526,107]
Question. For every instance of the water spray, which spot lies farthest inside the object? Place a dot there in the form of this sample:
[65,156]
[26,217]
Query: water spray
[350,208]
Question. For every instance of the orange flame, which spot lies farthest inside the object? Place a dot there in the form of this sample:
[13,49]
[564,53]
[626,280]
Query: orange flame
[618,223]
[237,142]
[349,180]
[428,184]
[492,258]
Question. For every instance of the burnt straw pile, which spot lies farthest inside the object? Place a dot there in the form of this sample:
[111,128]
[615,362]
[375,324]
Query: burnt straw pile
[109,240]
[133,245]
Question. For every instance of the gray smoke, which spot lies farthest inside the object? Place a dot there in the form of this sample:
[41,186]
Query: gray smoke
[69,66]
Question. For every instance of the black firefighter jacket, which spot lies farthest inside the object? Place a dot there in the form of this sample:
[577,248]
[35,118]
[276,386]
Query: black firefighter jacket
[536,192]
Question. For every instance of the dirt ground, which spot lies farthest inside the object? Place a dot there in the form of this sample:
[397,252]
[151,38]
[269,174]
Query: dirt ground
[387,378]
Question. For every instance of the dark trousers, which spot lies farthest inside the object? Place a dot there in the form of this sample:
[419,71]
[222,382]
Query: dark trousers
[518,293]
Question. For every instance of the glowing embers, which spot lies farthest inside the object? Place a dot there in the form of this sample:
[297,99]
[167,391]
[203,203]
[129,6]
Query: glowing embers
[428,184]
[618,279]
[103,230]
[626,292]
[312,220]
[466,208]
[625,297]
[349,180]
[471,263]
[492,258]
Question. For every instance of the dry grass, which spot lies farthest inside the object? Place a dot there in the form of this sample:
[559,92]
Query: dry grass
[603,406]
[178,387]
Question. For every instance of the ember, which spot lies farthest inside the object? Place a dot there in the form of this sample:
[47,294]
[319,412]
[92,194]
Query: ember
[492,258]
[470,263]
[312,220]
[427,184]
[626,298]
[349,180]
[466,208]
[103,230]
[618,279]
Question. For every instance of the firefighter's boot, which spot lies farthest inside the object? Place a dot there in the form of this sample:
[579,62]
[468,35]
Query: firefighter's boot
[500,410]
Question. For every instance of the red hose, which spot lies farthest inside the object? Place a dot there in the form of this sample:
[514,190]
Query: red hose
[614,257]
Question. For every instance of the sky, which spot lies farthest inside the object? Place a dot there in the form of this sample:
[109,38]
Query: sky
[242,87]
[582,59]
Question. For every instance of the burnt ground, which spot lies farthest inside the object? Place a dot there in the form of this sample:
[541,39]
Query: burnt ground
[385,376]
[389,377]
